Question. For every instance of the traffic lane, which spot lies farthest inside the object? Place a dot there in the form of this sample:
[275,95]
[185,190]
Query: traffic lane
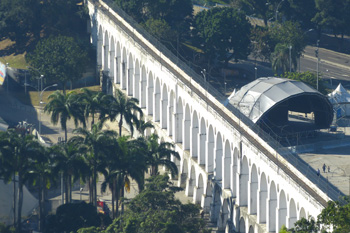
[325,70]
[328,55]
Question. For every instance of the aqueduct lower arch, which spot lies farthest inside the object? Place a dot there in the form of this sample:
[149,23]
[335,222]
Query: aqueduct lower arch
[222,166]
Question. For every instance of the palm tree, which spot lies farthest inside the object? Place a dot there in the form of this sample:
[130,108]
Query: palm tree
[110,171]
[159,153]
[64,107]
[93,101]
[125,108]
[132,165]
[94,143]
[144,125]
[281,58]
[68,160]
[18,153]
[42,176]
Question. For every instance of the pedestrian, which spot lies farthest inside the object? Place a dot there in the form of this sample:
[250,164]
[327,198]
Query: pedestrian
[318,172]
[324,168]
[329,169]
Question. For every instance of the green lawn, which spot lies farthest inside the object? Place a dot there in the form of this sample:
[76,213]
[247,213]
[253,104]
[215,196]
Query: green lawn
[32,97]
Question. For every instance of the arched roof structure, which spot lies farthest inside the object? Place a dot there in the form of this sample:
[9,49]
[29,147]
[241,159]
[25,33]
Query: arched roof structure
[272,98]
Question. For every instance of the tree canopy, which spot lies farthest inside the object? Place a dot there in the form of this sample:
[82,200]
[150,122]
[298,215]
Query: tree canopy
[155,209]
[23,20]
[60,59]
[216,33]
[309,78]
[334,218]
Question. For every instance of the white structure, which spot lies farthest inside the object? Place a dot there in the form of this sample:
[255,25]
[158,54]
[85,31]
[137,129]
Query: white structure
[340,98]
[236,176]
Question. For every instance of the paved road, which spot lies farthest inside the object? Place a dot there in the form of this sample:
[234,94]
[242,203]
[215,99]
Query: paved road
[332,65]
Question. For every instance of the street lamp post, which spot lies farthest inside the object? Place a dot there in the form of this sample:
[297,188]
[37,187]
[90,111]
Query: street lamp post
[290,58]
[277,9]
[41,102]
[256,72]
[318,61]
[7,78]
[40,95]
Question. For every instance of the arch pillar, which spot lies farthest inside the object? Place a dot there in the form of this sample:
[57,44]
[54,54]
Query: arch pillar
[194,139]
[202,139]
[155,106]
[252,198]
[281,217]
[290,221]
[189,187]
[271,205]
[218,164]
[209,147]
[196,191]
[226,165]
[261,216]
[130,86]
[123,79]
[186,138]
[170,122]
[117,69]
[163,113]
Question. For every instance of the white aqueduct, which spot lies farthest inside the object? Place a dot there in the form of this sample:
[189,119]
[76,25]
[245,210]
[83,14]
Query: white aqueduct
[237,177]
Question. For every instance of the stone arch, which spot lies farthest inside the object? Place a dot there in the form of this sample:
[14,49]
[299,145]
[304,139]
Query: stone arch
[251,229]
[130,76]
[234,172]
[292,213]
[143,87]
[156,116]
[171,113]
[218,157]
[194,135]
[179,121]
[226,176]
[200,190]
[150,94]
[187,126]
[302,213]
[243,182]
[262,199]
[209,161]
[224,215]
[253,190]
[282,210]
[112,60]
[105,65]
[191,182]
[99,47]
[272,207]
[164,107]
[137,80]
[183,177]
[241,225]
[216,205]
[202,142]
[123,78]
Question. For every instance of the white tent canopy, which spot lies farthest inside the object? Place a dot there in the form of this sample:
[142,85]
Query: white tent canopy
[340,98]
[6,203]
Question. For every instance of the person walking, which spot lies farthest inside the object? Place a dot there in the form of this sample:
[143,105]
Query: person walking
[324,168]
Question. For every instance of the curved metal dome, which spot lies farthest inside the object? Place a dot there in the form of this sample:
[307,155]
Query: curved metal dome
[267,94]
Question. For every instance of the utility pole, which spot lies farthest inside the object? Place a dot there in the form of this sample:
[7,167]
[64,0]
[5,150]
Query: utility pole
[290,58]
[318,61]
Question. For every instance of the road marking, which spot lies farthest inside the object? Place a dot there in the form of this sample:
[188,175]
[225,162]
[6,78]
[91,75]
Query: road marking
[328,62]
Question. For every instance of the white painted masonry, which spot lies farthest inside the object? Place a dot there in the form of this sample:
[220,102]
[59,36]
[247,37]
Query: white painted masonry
[244,184]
